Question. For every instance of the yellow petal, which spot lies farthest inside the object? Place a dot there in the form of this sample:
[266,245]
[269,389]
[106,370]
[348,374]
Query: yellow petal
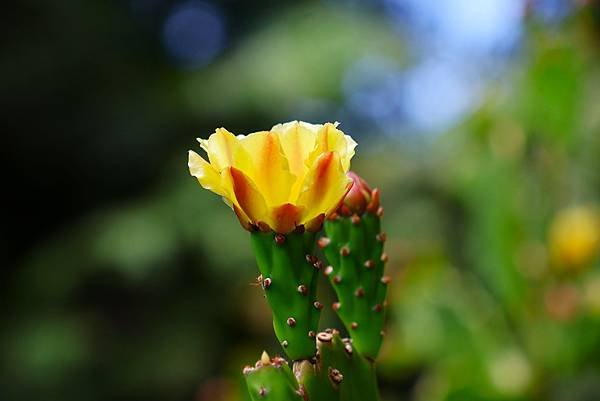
[324,187]
[285,217]
[329,138]
[206,174]
[224,150]
[246,196]
[271,172]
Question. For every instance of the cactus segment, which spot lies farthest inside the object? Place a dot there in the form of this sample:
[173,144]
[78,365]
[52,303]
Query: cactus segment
[339,373]
[354,250]
[271,379]
[289,267]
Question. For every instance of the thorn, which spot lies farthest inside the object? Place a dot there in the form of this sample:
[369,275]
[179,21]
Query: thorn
[355,219]
[324,337]
[262,392]
[379,212]
[386,280]
[312,334]
[328,270]
[302,289]
[267,282]
[382,333]
[384,257]
[336,306]
[323,242]
[312,259]
[247,370]
[381,237]
[264,359]
[284,343]
[345,251]
[329,331]
[348,348]
[360,292]
[377,308]
[354,325]
[318,305]
[279,239]
[319,264]
[337,279]
[335,375]
[369,264]
[259,278]
[291,321]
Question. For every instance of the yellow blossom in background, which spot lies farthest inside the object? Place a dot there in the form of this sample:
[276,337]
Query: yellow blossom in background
[292,175]
[574,238]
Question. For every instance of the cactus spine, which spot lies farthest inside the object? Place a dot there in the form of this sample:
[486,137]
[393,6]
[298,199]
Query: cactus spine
[289,279]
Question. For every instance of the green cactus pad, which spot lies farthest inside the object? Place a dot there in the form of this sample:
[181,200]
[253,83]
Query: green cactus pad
[354,248]
[289,279]
[338,374]
[271,379]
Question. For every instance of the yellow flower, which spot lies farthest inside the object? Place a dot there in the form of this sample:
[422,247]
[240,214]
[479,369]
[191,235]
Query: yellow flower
[574,238]
[292,175]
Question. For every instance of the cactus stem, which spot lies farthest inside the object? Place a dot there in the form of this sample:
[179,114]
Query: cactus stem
[302,289]
[279,239]
[381,237]
[354,325]
[323,242]
[267,282]
[291,321]
[355,219]
[384,257]
[328,270]
[318,305]
[336,306]
[360,292]
[369,264]
[337,279]
[345,251]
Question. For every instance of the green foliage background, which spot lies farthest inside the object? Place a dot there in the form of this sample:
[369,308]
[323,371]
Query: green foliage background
[123,280]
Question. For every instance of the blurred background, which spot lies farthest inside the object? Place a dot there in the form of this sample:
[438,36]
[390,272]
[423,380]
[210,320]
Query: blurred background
[123,280]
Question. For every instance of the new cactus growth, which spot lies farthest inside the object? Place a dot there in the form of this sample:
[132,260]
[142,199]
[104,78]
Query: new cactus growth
[271,379]
[289,279]
[353,246]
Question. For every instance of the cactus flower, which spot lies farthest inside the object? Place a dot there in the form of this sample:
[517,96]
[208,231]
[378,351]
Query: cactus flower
[293,175]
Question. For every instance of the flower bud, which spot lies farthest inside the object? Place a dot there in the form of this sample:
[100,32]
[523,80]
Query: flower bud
[361,197]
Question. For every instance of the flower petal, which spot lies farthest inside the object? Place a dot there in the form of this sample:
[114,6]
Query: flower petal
[329,138]
[324,187]
[224,150]
[246,196]
[206,174]
[271,171]
[285,217]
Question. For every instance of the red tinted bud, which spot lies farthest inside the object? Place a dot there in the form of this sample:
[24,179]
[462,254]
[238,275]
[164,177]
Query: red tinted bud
[359,195]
